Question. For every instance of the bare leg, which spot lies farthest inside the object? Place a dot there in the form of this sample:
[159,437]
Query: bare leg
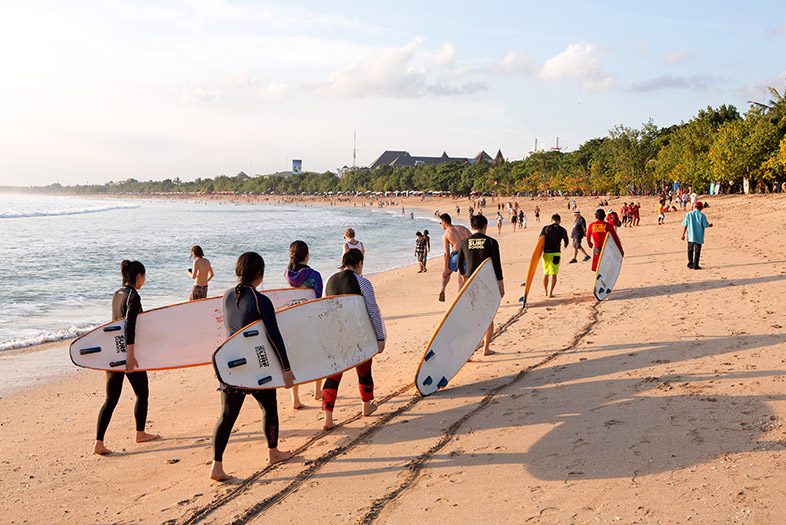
[546,285]
[294,392]
[487,339]
[369,407]
[553,284]
[445,281]
[318,389]
[328,420]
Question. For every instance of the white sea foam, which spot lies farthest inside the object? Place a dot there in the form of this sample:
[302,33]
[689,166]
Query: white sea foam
[47,337]
[58,213]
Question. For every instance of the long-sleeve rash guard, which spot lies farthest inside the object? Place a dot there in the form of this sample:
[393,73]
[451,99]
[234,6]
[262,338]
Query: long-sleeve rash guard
[253,306]
[127,304]
[348,282]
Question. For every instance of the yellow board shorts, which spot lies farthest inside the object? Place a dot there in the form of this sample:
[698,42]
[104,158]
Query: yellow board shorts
[551,263]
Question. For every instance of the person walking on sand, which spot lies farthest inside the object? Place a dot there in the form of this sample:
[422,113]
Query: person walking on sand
[427,240]
[201,272]
[537,213]
[499,223]
[596,236]
[351,243]
[127,304]
[474,250]
[554,235]
[513,219]
[694,224]
[243,305]
[300,275]
[577,234]
[451,242]
[661,212]
[350,280]
[420,252]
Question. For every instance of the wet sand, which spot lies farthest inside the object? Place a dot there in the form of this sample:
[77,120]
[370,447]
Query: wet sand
[663,404]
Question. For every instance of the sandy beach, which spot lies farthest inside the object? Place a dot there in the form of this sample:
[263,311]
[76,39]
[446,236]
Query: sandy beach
[663,404]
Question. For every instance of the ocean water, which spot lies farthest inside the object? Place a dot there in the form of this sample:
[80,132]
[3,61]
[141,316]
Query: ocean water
[60,256]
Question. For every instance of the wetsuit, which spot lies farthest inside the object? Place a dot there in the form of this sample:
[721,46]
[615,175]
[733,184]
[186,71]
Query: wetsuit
[554,234]
[127,304]
[302,276]
[240,310]
[348,282]
[477,248]
[596,234]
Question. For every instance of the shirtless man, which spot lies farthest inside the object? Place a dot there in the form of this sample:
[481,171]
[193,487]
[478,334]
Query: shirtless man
[201,273]
[451,242]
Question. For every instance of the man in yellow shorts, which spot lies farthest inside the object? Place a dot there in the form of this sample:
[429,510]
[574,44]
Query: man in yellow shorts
[555,235]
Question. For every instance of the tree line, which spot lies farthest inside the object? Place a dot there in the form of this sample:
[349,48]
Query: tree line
[717,145]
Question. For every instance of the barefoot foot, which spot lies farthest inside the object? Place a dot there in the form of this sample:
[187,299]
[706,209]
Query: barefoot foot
[277,456]
[217,472]
[144,437]
[100,450]
[369,407]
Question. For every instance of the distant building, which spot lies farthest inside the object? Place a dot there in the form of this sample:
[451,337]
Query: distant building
[397,159]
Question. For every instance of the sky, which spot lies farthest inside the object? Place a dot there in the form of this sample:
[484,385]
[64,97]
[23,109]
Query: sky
[93,91]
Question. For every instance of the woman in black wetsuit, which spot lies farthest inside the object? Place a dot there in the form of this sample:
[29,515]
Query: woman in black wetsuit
[243,305]
[126,303]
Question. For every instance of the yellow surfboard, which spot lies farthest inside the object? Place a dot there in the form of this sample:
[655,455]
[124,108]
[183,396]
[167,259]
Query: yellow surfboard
[533,266]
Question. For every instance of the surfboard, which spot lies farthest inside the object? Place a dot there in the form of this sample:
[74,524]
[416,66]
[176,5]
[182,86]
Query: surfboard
[461,329]
[322,337]
[175,336]
[534,261]
[609,266]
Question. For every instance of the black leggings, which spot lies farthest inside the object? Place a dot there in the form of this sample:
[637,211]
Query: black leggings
[114,386]
[231,402]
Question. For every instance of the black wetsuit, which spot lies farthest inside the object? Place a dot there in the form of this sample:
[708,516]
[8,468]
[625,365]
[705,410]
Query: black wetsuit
[238,312]
[477,248]
[127,304]
[554,234]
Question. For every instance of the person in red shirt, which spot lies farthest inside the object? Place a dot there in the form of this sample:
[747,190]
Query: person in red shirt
[635,213]
[596,235]
[613,219]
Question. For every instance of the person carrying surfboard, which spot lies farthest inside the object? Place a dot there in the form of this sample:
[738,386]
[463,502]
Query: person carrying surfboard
[474,250]
[127,304]
[554,235]
[451,242]
[351,281]
[596,236]
[300,275]
[243,305]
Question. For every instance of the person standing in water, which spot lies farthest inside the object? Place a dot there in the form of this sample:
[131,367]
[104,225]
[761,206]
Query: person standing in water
[127,304]
[243,305]
[351,281]
[300,275]
[201,272]
[555,235]
[451,242]
[352,243]
[474,250]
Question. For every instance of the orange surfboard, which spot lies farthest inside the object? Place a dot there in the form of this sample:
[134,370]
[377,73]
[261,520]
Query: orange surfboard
[533,266]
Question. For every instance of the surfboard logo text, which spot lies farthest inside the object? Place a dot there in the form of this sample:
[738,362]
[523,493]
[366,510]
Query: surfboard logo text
[262,356]
[120,344]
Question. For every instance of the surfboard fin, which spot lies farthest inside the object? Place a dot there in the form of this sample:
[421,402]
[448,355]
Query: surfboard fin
[113,364]
[428,381]
[112,328]
[442,382]
[264,380]
[250,333]
[430,355]
[93,350]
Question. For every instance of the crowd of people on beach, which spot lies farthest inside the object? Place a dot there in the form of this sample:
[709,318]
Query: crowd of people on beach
[465,249]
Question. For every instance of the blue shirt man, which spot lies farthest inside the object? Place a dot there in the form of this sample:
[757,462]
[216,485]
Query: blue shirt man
[694,224]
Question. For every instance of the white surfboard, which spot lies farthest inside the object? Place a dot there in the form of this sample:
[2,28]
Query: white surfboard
[609,266]
[322,337]
[461,329]
[174,336]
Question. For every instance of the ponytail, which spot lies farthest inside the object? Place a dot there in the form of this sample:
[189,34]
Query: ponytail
[298,251]
[250,267]
[130,270]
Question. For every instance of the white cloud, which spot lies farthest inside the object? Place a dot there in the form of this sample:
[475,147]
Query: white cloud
[760,91]
[580,61]
[400,72]
[676,57]
[445,55]
[515,62]
[696,82]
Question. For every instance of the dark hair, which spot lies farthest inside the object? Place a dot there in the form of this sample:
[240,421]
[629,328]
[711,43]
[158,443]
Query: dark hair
[130,270]
[600,214]
[250,267]
[478,222]
[351,258]
[419,234]
[425,232]
[446,218]
[556,217]
[196,251]
[298,251]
